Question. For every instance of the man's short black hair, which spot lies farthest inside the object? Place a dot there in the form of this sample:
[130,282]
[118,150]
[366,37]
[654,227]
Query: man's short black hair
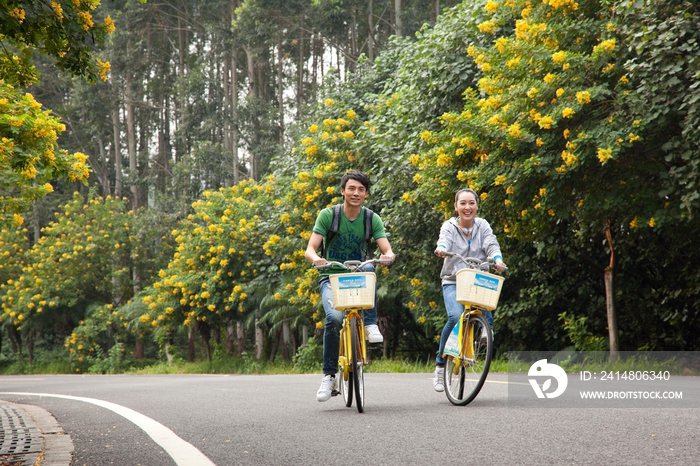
[357,176]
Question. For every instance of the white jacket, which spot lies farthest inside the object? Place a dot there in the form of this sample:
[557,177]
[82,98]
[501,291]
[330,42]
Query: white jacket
[482,245]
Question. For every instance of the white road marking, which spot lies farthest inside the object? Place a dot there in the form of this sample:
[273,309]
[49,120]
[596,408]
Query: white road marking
[182,452]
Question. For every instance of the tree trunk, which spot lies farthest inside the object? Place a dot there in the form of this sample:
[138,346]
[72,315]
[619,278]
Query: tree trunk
[370,28]
[286,342]
[118,182]
[205,332]
[259,341]
[104,169]
[275,345]
[434,11]
[280,88]
[234,118]
[398,13]
[300,71]
[139,351]
[240,338]
[30,347]
[230,333]
[610,300]
[168,346]
[131,146]
[304,335]
[190,343]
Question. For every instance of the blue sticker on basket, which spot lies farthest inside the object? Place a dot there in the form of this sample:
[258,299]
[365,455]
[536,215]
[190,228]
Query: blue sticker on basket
[485,281]
[345,283]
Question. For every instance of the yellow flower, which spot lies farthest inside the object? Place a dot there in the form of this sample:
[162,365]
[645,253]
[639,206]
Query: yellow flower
[109,25]
[633,223]
[568,112]
[546,123]
[652,222]
[313,129]
[583,97]
[604,155]
[57,9]
[489,27]
[491,7]
[532,92]
[559,57]
[105,66]
[605,46]
[329,102]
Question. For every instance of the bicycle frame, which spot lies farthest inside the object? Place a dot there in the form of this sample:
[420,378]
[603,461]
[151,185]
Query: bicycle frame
[466,351]
[345,334]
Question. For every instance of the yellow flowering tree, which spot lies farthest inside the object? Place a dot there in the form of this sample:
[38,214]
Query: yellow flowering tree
[86,259]
[29,155]
[555,144]
[67,31]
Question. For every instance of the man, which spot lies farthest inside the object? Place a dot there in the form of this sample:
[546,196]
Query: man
[347,244]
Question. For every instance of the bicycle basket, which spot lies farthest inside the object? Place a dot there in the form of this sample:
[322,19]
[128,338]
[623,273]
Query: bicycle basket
[353,290]
[477,288]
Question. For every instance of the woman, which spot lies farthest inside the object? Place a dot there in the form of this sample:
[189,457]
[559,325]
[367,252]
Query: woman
[468,236]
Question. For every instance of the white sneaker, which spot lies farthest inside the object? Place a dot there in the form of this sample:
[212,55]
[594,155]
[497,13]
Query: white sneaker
[328,384]
[373,334]
[438,378]
[484,337]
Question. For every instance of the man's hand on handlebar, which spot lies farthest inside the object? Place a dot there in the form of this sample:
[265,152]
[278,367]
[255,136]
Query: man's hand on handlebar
[319,262]
[390,257]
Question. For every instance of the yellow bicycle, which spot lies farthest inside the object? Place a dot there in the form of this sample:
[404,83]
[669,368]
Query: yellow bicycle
[469,348]
[353,292]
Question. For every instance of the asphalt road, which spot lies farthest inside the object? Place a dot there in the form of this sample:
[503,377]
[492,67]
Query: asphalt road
[276,420]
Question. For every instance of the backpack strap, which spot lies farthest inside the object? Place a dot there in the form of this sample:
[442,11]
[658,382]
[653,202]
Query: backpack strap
[335,226]
[368,232]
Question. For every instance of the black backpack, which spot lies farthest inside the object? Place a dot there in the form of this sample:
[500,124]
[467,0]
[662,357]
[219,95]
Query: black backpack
[335,226]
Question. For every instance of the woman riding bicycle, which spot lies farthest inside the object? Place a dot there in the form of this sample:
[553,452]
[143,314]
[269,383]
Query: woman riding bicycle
[468,236]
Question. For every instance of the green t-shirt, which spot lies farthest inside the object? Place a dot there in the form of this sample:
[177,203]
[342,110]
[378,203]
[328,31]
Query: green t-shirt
[347,244]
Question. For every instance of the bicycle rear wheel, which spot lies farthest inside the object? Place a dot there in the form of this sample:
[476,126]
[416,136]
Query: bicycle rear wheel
[465,375]
[357,363]
[345,382]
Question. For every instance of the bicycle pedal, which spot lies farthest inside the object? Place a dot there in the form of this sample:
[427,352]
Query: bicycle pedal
[335,393]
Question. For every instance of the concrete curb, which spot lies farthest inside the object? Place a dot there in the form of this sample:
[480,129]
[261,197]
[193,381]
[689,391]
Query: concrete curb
[57,446]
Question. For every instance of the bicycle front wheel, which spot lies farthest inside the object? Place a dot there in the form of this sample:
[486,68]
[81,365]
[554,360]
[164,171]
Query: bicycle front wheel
[465,375]
[357,363]
[344,359]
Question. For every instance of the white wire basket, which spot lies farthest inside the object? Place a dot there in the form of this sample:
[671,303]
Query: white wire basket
[479,289]
[353,290]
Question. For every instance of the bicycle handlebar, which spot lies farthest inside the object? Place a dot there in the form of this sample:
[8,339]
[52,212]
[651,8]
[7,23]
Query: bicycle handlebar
[353,265]
[475,262]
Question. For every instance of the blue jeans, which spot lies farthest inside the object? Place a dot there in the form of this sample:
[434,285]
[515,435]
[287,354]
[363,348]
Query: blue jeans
[334,321]
[454,311]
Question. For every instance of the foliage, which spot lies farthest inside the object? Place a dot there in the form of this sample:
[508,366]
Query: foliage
[29,156]
[309,358]
[66,31]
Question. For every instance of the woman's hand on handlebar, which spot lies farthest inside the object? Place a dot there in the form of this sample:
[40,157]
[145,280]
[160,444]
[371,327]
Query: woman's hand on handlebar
[500,265]
[440,252]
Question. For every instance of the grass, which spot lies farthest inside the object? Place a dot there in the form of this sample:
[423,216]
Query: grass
[311,364]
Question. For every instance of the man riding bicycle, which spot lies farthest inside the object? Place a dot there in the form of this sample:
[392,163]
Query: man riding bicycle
[345,244]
